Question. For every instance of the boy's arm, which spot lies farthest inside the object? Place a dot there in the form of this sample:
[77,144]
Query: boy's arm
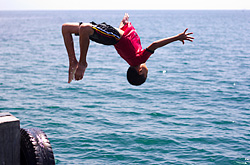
[180,37]
[124,20]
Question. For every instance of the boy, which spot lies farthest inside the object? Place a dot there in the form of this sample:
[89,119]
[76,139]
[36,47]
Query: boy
[125,40]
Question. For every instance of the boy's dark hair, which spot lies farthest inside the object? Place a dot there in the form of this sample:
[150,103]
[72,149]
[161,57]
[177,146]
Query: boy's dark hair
[134,78]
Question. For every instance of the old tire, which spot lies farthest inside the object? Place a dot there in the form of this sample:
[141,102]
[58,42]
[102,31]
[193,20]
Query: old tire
[35,148]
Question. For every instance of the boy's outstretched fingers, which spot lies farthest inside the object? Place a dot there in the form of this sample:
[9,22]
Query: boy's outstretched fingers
[187,37]
[189,33]
[185,30]
[183,36]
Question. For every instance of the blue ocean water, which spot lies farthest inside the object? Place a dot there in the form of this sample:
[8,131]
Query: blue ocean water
[193,109]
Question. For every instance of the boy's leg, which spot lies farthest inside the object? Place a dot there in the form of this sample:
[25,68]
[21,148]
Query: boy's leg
[84,32]
[67,30]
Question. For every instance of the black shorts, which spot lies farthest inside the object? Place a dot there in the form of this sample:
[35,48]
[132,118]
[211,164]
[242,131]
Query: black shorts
[104,34]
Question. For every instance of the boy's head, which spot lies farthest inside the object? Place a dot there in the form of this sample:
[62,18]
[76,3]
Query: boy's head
[137,75]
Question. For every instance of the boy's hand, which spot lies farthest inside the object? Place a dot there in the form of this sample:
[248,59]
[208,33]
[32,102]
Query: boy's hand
[183,36]
[125,18]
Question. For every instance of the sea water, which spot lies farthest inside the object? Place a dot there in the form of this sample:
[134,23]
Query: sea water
[193,109]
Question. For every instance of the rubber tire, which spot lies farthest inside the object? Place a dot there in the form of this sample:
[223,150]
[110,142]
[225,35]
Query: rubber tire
[35,148]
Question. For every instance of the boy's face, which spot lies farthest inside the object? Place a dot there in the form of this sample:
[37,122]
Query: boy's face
[143,70]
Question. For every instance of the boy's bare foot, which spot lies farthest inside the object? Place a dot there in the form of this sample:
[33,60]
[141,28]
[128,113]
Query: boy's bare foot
[72,70]
[80,71]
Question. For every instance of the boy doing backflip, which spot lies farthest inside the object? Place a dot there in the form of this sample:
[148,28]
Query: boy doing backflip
[125,40]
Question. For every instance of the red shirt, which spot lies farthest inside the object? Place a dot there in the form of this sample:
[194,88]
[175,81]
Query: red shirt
[129,47]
